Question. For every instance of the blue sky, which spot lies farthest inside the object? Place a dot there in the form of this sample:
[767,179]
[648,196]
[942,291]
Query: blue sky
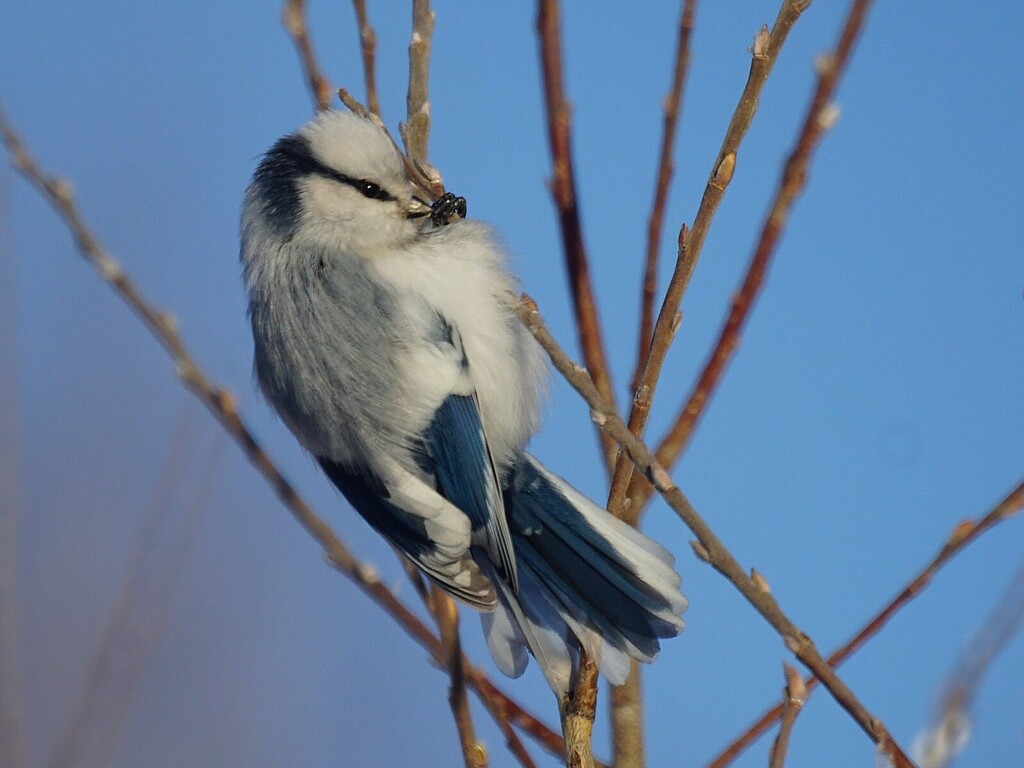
[874,402]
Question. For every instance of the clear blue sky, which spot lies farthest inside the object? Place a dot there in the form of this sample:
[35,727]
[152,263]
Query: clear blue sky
[875,401]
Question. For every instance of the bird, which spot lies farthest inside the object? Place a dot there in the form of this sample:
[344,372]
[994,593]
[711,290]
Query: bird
[384,339]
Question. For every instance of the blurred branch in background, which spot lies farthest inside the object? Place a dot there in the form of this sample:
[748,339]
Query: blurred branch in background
[939,744]
[964,534]
[12,721]
[144,608]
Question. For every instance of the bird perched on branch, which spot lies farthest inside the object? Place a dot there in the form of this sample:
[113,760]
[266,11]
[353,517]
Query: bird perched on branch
[385,341]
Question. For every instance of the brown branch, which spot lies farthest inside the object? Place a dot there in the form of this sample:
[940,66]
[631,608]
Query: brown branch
[765,53]
[447,617]
[221,404]
[672,105]
[962,535]
[368,47]
[708,546]
[577,711]
[627,720]
[563,187]
[793,697]
[620,498]
[416,130]
[293,16]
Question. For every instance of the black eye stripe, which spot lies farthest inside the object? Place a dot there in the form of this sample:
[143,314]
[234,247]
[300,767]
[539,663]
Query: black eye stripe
[366,188]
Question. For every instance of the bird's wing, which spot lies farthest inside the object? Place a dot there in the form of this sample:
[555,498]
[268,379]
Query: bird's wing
[456,453]
[427,528]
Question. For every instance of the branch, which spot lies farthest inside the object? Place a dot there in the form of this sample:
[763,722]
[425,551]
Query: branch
[672,105]
[627,705]
[293,16]
[962,536]
[416,131]
[368,46]
[950,730]
[221,404]
[577,711]
[563,187]
[708,547]
[447,617]
[691,242]
[793,697]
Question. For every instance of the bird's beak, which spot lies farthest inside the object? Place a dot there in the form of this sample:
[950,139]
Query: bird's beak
[417,209]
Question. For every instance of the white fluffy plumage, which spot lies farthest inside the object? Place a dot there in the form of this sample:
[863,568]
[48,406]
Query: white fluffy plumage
[384,341]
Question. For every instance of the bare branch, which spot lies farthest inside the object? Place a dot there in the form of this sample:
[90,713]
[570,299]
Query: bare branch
[293,16]
[447,617]
[416,131]
[821,115]
[563,187]
[792,702]
[672,105]
[627,720]
[368,47]
[964,534]
[708,546]
[221,404]
[764,55]
[578,710]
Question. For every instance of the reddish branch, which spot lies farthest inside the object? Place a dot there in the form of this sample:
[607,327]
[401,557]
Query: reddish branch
[673,103]
[368,48]
[293,15]
[962,535]
[563,187]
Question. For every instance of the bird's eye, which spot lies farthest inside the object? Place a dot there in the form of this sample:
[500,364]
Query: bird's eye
[371,190]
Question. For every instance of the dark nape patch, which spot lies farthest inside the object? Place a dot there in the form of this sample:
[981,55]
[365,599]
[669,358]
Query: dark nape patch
[276,181]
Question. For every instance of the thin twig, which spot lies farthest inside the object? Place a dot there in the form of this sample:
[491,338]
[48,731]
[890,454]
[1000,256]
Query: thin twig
[708,546]
[672,104]
[563,187]
[416,130]
[293,16]
[447,617]
[415,134]
[368,47]
[764,55]
[645,375]
[793,697]
[221,404]
[963,535]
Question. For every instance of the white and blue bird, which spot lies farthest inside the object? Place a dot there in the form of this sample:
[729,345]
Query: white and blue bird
[385,341]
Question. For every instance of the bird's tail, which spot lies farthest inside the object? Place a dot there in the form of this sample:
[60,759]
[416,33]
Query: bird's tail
[583,574]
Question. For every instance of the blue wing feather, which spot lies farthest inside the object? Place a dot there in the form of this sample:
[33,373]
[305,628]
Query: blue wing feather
[462,466]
